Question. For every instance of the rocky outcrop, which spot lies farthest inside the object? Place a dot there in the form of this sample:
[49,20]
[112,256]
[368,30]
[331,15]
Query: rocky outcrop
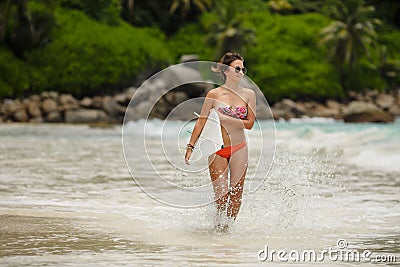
[53,107]
[370,106]
[154,99]
[86,116]
[358,111]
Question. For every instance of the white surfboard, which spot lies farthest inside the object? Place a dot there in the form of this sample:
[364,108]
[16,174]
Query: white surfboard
[210,139]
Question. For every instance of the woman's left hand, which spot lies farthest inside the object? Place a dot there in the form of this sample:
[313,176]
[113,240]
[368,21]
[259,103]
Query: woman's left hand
[187,155]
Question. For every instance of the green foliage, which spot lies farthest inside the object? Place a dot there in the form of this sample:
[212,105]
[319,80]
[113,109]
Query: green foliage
[190,40]
[27,25]
[250,6]
[351,34]
[107,11]
[14,75]
[287,62]
[227,32]
[86,56]
[350,38]
[185,6]
[280,6]
[305,6]
[157,13]
[387,10]
[391,39]
[387,67]
[88,48]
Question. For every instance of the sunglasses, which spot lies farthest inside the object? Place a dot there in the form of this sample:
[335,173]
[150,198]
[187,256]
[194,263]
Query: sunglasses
[238,69]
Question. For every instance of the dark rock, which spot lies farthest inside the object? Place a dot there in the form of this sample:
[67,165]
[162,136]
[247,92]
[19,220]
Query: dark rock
[188,58]
[9,106]
[183,78]
[68,107]
[175,98]
[352,95]
[332,104]
[68,99]
[54,116]
[85,116]
[263,111]
[49,105]
[111,106]
[161,109]
[121,109]
[141,95]
[130,92]
[38,119]
[385,101]
[53,95]
[49,94]
[122,99]
[358,96]
[320,110]
[86,102]
[35,98]
[20,116]
[279,114]
[372,93]
[97,102]
[33,109]
[140,111]
[395,110]
[44,95]
[186,110]
[293,107]
[358,111]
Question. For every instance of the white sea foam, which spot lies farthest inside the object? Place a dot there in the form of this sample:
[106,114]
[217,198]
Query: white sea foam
[369,146]
[328,181]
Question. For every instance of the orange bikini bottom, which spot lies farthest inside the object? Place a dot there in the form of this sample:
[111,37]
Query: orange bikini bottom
[227,152]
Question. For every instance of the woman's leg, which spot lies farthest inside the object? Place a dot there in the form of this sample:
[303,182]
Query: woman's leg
[218,167]
[238,167]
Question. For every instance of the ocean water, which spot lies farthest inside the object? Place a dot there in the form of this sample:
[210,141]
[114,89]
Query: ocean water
[67,198]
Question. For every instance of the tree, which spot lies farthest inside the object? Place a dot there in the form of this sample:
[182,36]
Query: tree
[129,5]
[351,35]
[227,32]
[388,68]
[107,11]
[387,10]
[186,6]
[26,25]
[304,6]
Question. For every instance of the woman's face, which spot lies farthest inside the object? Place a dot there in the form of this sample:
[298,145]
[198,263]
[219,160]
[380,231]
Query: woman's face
[236,71]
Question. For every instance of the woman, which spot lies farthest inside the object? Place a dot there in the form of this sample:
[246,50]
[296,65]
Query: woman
[236,106]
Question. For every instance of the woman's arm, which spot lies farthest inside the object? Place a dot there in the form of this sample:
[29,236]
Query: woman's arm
[201,121]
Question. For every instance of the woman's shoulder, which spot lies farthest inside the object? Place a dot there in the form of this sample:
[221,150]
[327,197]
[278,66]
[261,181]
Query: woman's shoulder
[248,92]
[213,93]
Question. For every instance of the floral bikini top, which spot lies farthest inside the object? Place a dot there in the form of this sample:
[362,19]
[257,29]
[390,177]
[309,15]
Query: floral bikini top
[236,112]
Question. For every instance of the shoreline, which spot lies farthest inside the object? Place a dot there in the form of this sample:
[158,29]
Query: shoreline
[104,111]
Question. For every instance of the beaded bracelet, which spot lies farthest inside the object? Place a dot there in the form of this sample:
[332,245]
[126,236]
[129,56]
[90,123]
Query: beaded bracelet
[190,146]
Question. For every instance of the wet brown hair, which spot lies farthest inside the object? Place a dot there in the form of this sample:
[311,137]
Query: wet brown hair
[225,62]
